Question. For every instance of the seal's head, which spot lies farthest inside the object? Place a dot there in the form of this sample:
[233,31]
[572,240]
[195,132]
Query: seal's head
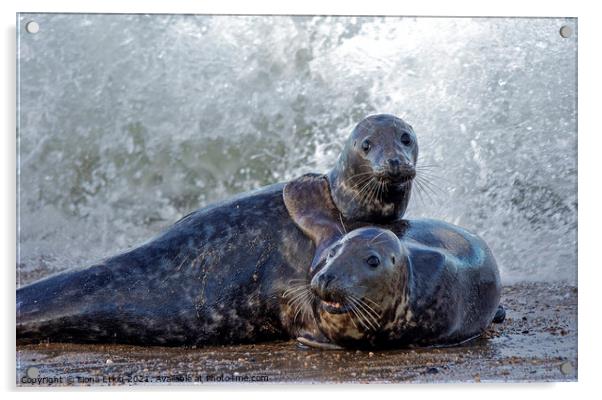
[372,179]
[360,287]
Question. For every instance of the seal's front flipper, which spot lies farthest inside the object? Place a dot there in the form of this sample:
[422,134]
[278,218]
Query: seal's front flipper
[313,343]
[308,202]
[500,315]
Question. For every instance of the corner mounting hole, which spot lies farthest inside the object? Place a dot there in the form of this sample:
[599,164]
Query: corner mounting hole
[566,31]
[32,27]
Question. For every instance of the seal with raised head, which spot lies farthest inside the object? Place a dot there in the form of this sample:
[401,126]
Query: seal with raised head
[218,275]
[372,180]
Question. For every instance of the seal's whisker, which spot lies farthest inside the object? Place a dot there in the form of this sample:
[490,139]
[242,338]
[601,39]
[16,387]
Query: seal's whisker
[296,297]
[291,294]
[422,193]
[430,192]
[367,192]
[363,185]
[381,185]
[432,181]
[297,280]
[368,298]
[378,195]
[368,310]
[429,183]
[373,326]
[297,286]
[351,319]
[375,191]
[372,192]
[371,319]
[427,166]
[294,289]
[301,306]
[310,299]
[432,186]
[366,187]
[425,169]
[372,301]
[363,178]
[361,174]
[425,195]
[355,311]
[342,224]
[361,194]
[361,181]
[419,193]
[376,314]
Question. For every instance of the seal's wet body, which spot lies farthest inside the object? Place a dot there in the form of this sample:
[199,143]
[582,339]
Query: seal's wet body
[216,276]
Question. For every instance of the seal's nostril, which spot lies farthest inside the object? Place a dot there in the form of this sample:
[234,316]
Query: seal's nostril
[394,162]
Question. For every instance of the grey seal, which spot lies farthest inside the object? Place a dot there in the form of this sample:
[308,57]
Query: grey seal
[375,290]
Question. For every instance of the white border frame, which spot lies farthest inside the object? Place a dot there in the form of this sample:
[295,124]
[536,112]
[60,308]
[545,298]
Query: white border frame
[590,33]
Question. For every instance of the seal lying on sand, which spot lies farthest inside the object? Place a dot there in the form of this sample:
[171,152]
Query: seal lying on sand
[373,290]
[218,274]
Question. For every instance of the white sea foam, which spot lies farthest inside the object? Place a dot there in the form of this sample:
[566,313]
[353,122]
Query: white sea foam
[129,122]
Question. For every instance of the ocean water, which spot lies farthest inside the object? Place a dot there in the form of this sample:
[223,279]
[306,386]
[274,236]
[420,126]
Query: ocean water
[128,122]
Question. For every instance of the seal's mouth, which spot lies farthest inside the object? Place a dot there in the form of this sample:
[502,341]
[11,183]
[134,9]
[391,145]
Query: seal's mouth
[334,307]
[396,177]
[402,180]
[396,183]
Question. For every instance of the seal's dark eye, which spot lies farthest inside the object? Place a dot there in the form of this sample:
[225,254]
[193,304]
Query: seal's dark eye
[373,261]
[406,139]
[393,259]
[366,145]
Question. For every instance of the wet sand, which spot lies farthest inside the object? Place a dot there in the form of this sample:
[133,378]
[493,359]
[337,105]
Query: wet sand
[536,342]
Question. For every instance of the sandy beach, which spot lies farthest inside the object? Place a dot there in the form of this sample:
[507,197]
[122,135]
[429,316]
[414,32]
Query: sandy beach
[537,342]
